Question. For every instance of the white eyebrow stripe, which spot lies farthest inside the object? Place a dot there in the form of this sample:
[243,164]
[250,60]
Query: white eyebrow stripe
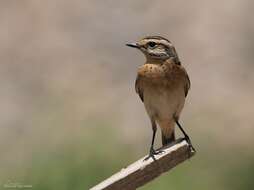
[164,42]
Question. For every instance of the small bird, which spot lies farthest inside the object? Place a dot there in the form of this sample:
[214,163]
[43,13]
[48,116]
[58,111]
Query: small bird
[162,84]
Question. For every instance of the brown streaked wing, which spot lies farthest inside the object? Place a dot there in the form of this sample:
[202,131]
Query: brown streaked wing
[138,88]
[187,82]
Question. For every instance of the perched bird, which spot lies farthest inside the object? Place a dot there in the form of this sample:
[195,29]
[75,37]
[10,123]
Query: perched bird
[162,84]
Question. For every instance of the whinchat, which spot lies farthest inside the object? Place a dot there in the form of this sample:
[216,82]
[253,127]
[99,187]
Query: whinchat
[162,84]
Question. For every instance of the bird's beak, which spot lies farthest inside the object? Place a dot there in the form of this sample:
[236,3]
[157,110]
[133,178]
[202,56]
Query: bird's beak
[133,45]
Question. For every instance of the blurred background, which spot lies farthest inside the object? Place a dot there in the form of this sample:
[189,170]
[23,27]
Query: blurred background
[69,114]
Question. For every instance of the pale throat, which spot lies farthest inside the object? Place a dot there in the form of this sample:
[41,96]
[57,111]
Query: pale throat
[157,61]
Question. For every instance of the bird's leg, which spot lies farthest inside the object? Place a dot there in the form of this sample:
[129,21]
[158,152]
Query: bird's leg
[185,134]
[153,152]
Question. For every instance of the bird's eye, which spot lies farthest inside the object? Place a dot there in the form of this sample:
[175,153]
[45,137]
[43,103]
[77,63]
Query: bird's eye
[151,44]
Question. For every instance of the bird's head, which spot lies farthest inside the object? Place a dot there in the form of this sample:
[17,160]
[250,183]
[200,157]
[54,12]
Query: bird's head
[156,48]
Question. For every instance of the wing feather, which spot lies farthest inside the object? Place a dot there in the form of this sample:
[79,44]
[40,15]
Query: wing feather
[187,83]
[138,88]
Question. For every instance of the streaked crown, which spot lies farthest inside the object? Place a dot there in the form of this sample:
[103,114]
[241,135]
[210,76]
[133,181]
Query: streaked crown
[156,47]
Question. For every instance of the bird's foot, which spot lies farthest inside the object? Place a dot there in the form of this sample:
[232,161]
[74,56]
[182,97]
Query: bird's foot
[152,153]
[189,143]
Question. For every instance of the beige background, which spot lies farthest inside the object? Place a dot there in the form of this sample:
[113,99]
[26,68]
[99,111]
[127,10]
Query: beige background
[67,90]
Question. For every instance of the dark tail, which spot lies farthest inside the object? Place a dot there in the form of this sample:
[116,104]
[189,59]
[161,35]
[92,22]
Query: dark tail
[167,140]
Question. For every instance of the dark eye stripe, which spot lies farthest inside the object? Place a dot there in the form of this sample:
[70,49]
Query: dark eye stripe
[151,44]
[158,54]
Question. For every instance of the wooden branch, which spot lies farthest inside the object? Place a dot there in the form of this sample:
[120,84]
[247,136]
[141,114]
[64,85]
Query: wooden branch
[141,172]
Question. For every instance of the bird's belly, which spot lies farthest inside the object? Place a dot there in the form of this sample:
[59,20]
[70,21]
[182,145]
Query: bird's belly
[163,104]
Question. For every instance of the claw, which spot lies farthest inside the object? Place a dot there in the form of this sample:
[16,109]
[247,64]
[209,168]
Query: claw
[152,153]
[190,144]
